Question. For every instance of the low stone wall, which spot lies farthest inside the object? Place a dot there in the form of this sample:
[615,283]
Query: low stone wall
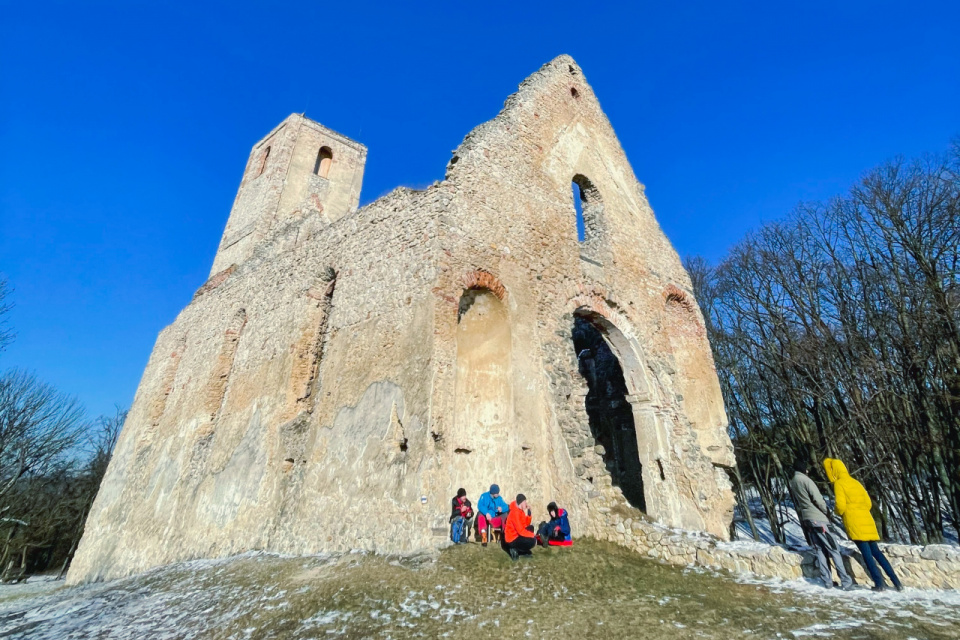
[929,567]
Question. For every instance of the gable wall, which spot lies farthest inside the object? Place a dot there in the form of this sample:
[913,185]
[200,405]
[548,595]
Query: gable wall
[274,416]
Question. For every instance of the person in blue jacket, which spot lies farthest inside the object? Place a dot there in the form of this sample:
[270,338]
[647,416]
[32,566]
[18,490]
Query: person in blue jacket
[492,512]
[557,531]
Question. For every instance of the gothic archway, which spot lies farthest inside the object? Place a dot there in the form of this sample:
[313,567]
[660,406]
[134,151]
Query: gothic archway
[610,402]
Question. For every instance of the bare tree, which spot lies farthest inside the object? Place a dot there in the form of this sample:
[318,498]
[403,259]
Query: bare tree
[837,333]
[6,333]
[39,428]
[102,442]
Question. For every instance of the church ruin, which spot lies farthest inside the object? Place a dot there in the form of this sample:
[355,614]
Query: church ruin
[344,370]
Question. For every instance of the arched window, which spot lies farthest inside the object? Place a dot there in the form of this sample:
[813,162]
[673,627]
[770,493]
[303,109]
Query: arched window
[324,160]
[578,207]
[589,207]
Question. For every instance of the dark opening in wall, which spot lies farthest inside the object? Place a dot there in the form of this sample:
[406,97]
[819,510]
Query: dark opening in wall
[574,92]
[590,220]
[324,160]
[609,412]
[578,207]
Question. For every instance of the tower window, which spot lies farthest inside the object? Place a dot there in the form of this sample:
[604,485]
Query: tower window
[324,160]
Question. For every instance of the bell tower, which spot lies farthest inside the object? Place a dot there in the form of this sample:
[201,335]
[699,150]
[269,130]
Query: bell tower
[300,168]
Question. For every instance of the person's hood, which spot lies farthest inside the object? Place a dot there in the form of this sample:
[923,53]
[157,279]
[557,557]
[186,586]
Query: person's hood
[835,469]
[513,505]
[561,513]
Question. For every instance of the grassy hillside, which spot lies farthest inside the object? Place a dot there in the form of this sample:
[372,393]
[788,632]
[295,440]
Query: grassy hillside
[595,590]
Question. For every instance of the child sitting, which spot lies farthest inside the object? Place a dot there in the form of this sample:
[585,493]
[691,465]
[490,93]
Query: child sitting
[555,533]
[461,513]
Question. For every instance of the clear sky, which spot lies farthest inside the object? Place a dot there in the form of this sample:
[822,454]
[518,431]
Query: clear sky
[125,127]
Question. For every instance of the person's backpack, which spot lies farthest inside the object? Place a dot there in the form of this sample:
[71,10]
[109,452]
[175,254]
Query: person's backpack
[458,530]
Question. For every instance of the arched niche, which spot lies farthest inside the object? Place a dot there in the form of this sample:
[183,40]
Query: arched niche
[483,396]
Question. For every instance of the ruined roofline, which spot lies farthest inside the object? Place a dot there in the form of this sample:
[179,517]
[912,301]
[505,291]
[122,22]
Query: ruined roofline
[303,120]
[563,64]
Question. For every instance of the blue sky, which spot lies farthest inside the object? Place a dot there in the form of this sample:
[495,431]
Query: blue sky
[124,127]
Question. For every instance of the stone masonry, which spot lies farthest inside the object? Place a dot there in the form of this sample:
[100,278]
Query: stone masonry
[344,371]
[934,566]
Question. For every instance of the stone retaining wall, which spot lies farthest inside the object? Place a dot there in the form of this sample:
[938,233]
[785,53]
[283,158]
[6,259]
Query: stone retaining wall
[934,566]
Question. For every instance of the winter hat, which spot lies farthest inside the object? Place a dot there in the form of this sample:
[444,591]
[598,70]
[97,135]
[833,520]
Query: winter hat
[521,498]
[494,490]
[552,507]
[461,493]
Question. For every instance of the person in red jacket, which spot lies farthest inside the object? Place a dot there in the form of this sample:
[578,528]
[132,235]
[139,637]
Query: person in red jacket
[518,536]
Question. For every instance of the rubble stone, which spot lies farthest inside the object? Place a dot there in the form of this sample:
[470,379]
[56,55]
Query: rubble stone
[343,362]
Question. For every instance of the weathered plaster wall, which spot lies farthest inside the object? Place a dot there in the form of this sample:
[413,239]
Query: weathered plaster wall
[327,390]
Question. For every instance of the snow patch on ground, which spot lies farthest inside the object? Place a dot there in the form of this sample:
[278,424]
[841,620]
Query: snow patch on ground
[937,607]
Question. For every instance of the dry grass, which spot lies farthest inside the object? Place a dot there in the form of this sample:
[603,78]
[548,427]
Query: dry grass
[594,590]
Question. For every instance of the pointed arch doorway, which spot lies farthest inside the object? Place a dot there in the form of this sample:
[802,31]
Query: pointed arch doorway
[613,376]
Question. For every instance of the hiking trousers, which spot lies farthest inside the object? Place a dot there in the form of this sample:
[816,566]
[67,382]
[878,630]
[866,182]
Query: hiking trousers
[871,557]
[522,544]
[827,551]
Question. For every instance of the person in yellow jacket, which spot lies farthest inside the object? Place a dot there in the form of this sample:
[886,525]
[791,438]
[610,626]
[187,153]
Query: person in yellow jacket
[853,505]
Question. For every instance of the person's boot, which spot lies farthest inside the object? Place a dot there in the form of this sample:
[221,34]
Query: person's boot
[898,585]
[483,537]
[514,555]
[879,587]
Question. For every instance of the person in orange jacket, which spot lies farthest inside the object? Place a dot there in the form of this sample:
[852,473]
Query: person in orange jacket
[518,537]
[853,505]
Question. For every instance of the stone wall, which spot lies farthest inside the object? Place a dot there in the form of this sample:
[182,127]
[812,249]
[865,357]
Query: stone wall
[343,372]
[931,567]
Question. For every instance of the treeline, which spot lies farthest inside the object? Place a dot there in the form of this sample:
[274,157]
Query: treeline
[52,459]
[837,333]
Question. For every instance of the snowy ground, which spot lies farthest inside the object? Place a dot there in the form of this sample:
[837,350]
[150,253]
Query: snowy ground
[791,525]
[594,590]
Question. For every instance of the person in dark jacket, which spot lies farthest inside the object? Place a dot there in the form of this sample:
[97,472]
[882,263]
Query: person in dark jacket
[461,513]
[556,532]
[812,511]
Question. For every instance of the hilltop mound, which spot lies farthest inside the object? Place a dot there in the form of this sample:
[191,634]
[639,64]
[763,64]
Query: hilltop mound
[593,590]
